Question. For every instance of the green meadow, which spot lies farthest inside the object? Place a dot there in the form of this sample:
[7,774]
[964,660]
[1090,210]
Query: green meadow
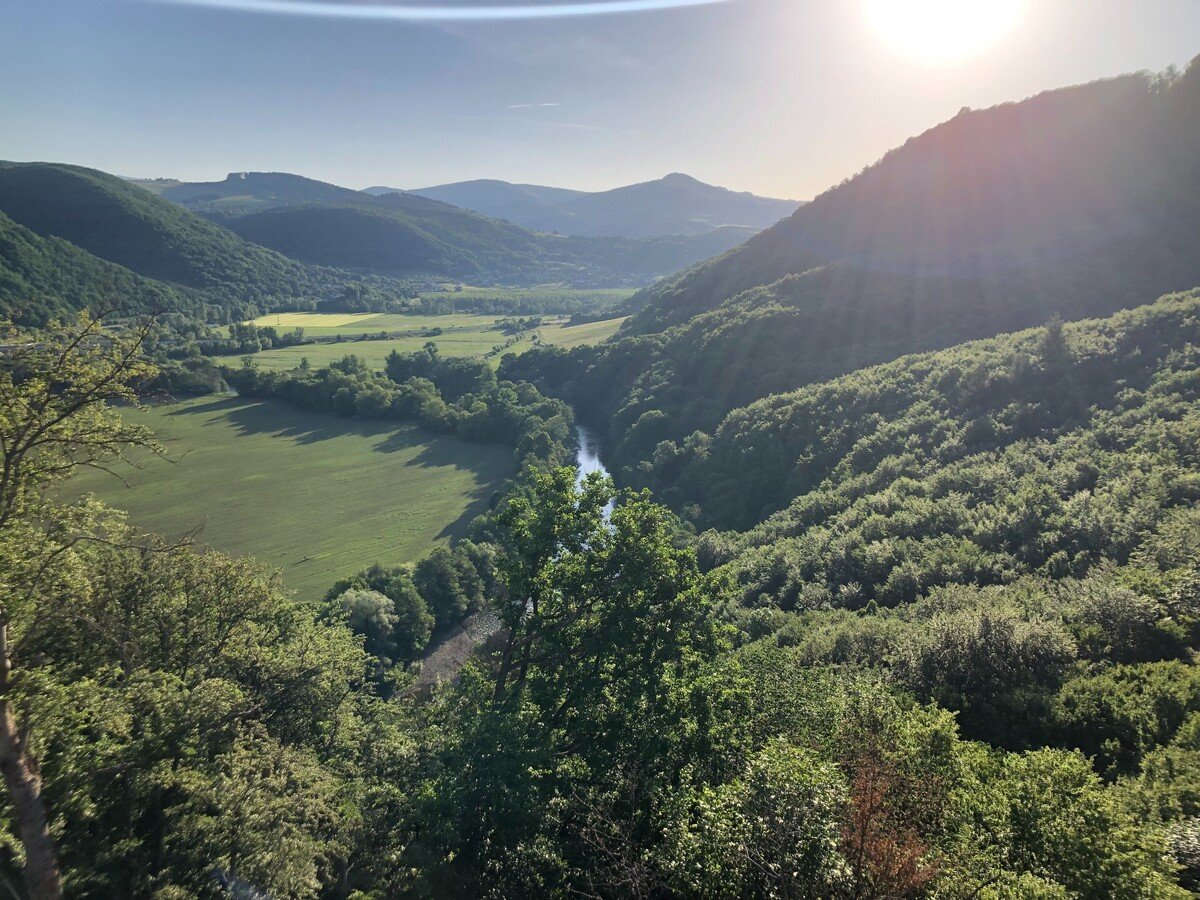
[373,352]
[464,336]
[579,335]
[320,497]
[315,496]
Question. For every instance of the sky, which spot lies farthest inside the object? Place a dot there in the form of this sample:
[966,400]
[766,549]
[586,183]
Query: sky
[784,98]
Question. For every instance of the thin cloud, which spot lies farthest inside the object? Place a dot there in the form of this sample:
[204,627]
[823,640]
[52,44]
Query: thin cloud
[524,123]
[532,105]
[399,12]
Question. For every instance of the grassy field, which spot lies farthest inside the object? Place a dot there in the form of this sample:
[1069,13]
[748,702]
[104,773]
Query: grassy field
[467,343]
[354,324]
[316,496]
[300,319]
[578,335]
[461,336]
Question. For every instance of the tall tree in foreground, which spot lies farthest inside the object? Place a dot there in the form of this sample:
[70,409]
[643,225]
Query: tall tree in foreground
[55,416]
[598,701]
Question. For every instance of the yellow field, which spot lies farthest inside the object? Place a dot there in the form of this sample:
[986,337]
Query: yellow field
[578,335]
[308,319]
[354,324]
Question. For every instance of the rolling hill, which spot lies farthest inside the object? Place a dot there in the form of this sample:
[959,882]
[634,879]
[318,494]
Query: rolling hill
[398,234]
[524,204]
[243,192]
[119,222]
[401,234]
[676,204]
[46,277]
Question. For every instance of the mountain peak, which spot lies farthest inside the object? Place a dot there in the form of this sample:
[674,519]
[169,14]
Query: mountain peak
[675,204]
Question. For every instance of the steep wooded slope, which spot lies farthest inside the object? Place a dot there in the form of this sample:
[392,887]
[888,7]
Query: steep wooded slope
[42,278]
[1077,203]
[124,224]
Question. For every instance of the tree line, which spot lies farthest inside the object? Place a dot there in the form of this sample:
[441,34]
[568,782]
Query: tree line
[462,397]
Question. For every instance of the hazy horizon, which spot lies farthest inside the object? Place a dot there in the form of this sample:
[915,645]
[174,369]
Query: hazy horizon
[778,98]
[403,187]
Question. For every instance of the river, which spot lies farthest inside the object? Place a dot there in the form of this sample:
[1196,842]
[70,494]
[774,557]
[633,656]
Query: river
[588,460]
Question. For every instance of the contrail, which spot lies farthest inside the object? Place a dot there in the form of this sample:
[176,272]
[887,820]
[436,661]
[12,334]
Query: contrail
[402,13]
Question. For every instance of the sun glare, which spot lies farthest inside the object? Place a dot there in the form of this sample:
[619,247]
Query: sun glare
[943,31]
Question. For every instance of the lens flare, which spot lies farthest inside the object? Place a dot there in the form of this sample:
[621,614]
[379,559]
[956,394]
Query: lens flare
[401,12]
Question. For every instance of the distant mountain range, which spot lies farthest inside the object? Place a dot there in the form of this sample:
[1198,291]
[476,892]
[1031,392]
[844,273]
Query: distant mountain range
[72,237]
[676,204]
[492,198]
[403,234]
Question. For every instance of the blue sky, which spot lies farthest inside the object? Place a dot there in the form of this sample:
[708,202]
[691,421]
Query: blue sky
[781,97]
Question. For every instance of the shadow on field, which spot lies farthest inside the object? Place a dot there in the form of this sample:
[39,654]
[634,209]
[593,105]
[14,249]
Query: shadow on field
[489,464]
[448,452]
[437,450]
[251,416]
[461,527]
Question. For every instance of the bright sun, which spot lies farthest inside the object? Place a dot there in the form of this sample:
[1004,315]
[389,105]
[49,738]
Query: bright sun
[943,30]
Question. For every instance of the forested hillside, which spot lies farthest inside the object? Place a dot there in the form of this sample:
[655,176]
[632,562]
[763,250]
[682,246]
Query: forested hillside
[244,192]
[124,224]
[408,235]
[1007,529]
[404,234]
[930,411]
[1074,203]
[41,278]
[1065,193]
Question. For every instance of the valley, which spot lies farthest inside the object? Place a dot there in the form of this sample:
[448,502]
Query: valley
[316,497]
[320,497]
[499,540]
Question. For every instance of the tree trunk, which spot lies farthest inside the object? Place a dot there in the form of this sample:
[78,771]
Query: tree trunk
[505,666]
[42,878]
